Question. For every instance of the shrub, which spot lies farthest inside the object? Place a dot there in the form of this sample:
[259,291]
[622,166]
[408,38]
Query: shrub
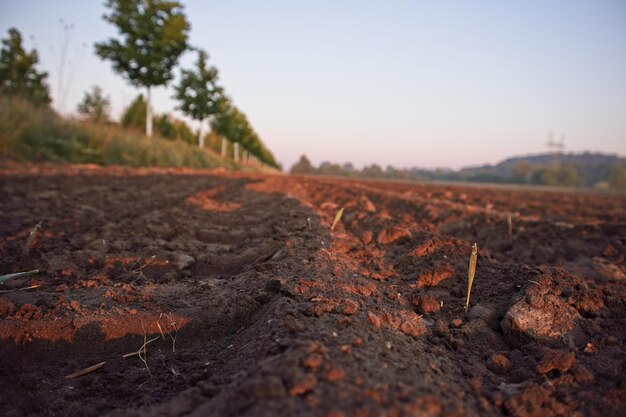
[28,133]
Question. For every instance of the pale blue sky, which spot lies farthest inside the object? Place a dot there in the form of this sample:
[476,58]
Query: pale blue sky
[408,83]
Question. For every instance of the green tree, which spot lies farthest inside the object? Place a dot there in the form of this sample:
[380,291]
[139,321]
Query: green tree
[95,105]
[617,176]
[199,95]
[135,115]
[558,175]
[522,171]
[232,124]
[372,171]
[153,36]
[18,75]
[303,166]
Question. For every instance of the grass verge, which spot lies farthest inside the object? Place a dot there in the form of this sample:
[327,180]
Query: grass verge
[35,134]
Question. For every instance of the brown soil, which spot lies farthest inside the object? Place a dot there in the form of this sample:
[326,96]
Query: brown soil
[252,306]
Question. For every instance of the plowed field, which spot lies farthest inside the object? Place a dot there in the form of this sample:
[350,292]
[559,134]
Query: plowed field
[247,303]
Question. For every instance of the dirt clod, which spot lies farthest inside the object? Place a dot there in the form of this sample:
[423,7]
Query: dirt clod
[556,360]
[498,363]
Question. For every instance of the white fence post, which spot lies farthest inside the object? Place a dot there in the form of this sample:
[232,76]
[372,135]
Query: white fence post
[224,146]
[236,151]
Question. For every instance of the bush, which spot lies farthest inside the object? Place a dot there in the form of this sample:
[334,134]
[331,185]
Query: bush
[28,133]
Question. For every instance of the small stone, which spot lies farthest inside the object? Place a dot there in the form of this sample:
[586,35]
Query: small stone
[367,237]
[347,349]
[61,288]
[350,307]
[334,374]
[75,305]
[357,342]
[374,319]
[412,328]
[456,323]
[367,205]
[344,321]
[426,303]
[487,314]
[132,312]
[498,364]
[303,385]
[612,340]
[316,347]
[312,361]
[183,261]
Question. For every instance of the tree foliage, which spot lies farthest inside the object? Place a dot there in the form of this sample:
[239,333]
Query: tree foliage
[18,75]
[617,176]
[153,35]
[557,175]
[95,106]
[198,93]
[303,166]
[231,123]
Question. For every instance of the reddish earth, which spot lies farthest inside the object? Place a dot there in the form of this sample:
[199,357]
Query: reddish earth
[252,306]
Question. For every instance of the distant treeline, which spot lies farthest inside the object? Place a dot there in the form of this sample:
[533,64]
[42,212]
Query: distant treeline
[570,170]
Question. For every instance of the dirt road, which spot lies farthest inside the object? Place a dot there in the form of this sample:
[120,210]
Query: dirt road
[248,304]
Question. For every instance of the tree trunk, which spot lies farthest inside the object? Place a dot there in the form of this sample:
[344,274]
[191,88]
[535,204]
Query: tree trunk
[149,114]
[201,134]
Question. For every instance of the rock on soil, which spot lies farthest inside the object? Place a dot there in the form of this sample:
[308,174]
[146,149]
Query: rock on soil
[542,313]
[486,313]
[184,261]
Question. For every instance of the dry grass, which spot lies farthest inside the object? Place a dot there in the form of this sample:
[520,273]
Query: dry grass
[29,133]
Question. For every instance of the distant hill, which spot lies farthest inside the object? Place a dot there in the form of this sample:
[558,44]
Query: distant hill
[592,159]
[556,169]
[591,167]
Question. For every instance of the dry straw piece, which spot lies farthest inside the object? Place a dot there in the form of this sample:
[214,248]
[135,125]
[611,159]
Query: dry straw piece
[31,236]
[17,274]
[470,273]
[86,371]
[509,223]
[337,218]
